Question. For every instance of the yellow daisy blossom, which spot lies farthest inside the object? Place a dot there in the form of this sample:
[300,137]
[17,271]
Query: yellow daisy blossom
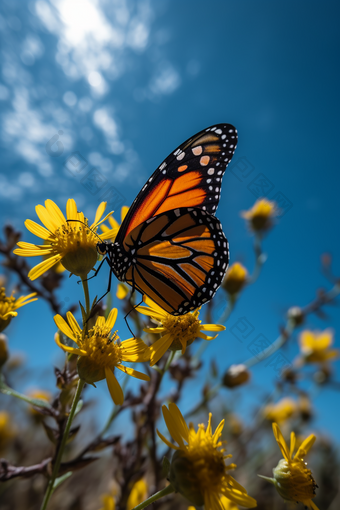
[101,352]
[108,501]
[281,411]
[73,244]
[292,479]
[9,306]
[138,494]
[7,430]
[227,504]
[177,332]
[235,278]
[315,346]
[41,395]
[113,231]
[198,470]
[260,216]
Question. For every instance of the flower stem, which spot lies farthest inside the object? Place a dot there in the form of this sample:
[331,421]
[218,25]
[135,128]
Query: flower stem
[33,401]
[164,492]
[50,487]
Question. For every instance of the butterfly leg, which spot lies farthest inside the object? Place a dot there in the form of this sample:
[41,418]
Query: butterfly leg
[109,285]
[97,270]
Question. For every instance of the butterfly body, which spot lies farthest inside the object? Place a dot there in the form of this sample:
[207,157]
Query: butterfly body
[170,245]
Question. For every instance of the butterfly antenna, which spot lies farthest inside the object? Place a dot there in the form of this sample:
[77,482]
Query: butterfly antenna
[86,225]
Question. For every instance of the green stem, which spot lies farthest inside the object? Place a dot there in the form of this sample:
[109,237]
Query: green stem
[164,492]
[6,390]
[279,342]
[169,361]
[50,487]
[229,308]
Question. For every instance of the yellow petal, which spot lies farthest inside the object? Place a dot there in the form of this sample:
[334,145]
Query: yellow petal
[123,212]
[54,211]
[305,447]
[46,218]
[133,373]
[37,229]
[172,428]
[206,337]
[100,211]
[94,225]
[64,327]
[212,327]
[109,234]
[73,324]
[292,444]
[281,441]
[44,266]
[110,321]
[113,223]
[159,348]
[180,421]
[71,209]
[115,390]
[71,350]
[167,442]
[122,291]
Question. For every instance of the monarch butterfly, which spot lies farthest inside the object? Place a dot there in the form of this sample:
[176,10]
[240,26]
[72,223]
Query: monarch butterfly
[170,245]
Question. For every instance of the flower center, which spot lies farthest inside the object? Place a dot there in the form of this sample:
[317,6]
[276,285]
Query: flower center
[208,463]
[72,236]
[101,347]
[184,329]
[7,304]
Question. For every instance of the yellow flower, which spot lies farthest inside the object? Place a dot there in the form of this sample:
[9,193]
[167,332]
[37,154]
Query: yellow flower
[39,394]
[101,352]
[109,502]
[260,216]
[177,332]
[315,346]
[281,411]
[122,291]
[9,305]
[235,278]
[292,479]
[73,244]
[138,494]
[6,429]
[227,504]
[198,470]
[113,231]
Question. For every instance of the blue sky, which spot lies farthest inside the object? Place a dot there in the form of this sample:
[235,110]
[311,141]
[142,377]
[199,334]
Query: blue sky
[121,83]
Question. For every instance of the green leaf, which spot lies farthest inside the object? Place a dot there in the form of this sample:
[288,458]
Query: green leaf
[61,479]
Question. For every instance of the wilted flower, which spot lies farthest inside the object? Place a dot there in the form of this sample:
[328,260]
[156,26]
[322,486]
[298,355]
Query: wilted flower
[315,346]
[292,480]
[74,244]
[198,470]
[101,352]
[9,305]
[138,494]
[3,349]
[281,411]
[235,376]
[235,278]
[261,215]
[177,332]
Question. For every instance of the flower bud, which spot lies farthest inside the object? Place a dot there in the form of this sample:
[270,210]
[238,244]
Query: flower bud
[182,478]
[235,376]
[3,349]
[235,278]
[293,481]
[260,216]
[295,314]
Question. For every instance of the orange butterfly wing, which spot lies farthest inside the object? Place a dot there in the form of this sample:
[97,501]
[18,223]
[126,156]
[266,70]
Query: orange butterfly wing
[179,258]
[191,176]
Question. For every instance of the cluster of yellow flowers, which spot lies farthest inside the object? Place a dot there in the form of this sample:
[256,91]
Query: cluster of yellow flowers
[198,469]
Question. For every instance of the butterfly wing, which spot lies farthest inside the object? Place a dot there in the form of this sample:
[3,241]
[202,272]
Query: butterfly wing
[179,258]
[191,176]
